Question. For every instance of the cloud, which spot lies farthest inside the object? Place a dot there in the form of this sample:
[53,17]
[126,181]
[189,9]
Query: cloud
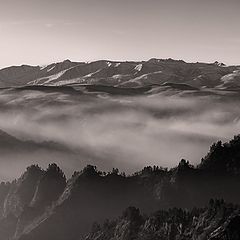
[124,132]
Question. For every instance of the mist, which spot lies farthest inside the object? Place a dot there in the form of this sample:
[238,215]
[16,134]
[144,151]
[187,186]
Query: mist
[124,132]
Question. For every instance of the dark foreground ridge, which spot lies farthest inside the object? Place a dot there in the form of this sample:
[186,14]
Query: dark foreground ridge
[42,204]
[217,221]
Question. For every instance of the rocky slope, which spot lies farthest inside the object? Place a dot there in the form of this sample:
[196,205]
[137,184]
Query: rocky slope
[217,221]
[28,197]
[124,74]
[41,204]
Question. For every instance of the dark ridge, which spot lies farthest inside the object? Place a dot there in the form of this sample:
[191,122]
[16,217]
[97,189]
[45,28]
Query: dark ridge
[50,186]
[42,205]
[10,143]
[217,221]
[223,158]
[47,88]
[180,86]
[117,90]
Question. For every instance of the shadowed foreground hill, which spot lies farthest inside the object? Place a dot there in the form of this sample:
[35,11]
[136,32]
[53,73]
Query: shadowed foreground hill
[217,221]
[41,204]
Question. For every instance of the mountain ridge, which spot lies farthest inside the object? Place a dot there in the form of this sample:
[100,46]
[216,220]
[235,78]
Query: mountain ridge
[123,74]
[41,203]
[218,220]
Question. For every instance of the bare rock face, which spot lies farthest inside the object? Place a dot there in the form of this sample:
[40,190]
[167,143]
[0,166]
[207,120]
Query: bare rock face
[50,187]
[18,197]
[22,191]
[4,190]
[27,198]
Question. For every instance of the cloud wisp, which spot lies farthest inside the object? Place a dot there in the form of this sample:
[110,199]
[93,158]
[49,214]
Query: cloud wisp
[124,132]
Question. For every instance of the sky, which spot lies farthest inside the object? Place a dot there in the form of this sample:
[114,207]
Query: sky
[44,31]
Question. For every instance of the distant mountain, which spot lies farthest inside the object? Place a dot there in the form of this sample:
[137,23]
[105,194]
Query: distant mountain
[22,75]
[41,204]
[124,74]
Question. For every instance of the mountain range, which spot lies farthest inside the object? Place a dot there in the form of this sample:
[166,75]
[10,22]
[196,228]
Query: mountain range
[58,110]
[124,74]
[43,204]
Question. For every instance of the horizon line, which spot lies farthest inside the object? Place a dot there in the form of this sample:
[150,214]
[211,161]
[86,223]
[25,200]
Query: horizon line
[112,60]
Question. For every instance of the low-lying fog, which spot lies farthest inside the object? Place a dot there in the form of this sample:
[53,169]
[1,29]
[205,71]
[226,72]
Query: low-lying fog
[124,132]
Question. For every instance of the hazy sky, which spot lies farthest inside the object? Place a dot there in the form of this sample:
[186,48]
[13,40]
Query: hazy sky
[43,31]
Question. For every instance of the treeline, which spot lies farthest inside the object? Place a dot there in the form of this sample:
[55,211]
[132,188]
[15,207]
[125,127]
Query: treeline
[217,221]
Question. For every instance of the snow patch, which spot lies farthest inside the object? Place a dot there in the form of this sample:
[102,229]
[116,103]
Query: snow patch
[234,76]
[50,69]
[43,67]
[55,76]
[90,74]
[109,64]
[116,76]
[49,79]
[139,67]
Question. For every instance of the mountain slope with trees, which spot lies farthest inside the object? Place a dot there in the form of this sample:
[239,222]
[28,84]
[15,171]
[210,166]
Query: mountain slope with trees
[42,204]
[217,221]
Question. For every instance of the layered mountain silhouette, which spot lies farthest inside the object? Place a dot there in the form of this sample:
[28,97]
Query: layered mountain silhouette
[9,143]
[124,74]
[42,204]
